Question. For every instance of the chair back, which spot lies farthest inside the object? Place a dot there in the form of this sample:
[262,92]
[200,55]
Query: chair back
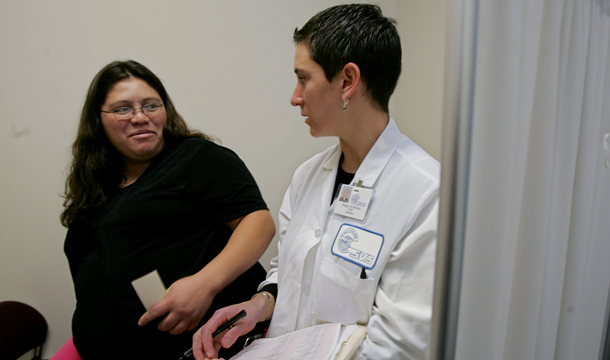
[22,328]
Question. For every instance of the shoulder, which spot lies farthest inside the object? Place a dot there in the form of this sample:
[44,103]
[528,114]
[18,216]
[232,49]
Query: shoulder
[200,157]
[411,157]
[413,176]
[317,161]
[198,144]
[407,156]
[320,162]
[309,171]
[197,150]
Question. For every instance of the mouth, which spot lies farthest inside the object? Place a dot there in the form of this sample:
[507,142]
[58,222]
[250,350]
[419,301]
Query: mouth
[141,133]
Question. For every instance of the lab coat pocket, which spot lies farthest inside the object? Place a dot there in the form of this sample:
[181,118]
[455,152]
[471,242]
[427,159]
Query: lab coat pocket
[341,296]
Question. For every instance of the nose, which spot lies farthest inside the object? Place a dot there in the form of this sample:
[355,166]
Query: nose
[139,117]
[297,97]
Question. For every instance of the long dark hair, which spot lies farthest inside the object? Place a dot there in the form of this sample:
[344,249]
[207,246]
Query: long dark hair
[96,170]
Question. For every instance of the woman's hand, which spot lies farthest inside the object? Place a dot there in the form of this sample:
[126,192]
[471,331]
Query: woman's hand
[204,347]
[187,300]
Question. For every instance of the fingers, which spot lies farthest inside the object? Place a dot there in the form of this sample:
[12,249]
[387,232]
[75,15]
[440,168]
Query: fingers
[202,340]
[217,348]
[209,346]
[173,322]
[202,351]
[231,336]
[182,326]
[176,324]
[178,319]
[176,329]
[154,312]
[197,341]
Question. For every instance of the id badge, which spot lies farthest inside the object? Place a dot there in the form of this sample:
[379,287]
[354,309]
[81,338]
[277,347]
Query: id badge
[357,245]
[353,201]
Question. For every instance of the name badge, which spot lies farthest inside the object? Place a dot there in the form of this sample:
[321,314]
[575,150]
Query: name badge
[357,245]
[353,201]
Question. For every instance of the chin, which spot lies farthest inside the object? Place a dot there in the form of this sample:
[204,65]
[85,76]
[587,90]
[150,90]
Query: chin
[147,152]
[313,133]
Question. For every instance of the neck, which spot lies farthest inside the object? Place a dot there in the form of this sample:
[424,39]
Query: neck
[132,171]
[363,132]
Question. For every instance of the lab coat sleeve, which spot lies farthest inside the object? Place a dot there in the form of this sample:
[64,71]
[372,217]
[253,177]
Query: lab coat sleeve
[283,219]
[285,214]
[399,327]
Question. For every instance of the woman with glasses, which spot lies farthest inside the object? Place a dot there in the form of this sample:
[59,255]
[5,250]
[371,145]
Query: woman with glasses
[144,194]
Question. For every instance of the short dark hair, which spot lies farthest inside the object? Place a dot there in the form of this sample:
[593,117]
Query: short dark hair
[357,33]
[96,169]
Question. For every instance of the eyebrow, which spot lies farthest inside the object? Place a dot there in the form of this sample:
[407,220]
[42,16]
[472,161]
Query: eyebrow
[121,102]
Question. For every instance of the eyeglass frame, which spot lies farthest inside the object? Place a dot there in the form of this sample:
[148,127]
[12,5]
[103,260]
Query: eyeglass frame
[133,111]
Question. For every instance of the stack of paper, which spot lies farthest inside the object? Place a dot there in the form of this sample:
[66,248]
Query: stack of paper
[320,342]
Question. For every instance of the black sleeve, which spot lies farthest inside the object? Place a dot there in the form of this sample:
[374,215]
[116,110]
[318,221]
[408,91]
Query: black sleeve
[272,289]
[220,177]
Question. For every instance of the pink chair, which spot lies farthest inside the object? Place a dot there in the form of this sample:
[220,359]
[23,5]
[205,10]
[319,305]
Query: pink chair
[67,352]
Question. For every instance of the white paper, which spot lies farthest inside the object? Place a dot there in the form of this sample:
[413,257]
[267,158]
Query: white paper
[350,339]
[150,289]
[313,343]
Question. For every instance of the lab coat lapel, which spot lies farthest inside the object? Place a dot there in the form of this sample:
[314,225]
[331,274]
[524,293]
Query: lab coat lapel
[379,155]
[314,216]
[331,165]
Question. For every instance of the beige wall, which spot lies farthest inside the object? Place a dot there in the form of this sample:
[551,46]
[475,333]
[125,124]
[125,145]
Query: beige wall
[419,94]
[228,68]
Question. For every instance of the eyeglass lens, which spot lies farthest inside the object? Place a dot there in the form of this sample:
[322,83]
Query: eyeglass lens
[126,113]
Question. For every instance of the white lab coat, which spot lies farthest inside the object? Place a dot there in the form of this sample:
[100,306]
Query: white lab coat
[315,286]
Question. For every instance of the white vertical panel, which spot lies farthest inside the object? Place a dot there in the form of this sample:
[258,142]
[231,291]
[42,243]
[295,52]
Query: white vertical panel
[535,274]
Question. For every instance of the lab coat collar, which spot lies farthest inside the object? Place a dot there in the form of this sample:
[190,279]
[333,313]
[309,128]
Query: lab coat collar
[332,161]
[376,159]
[379,155]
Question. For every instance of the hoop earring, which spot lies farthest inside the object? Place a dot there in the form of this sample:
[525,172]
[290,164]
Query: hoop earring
[345,104]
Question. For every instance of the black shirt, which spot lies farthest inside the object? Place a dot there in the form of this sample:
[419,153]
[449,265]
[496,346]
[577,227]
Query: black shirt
[172,219]
[343,177]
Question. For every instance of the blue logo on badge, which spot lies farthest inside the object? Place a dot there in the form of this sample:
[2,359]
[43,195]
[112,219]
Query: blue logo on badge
[357,245]
[355,201]
[346,238]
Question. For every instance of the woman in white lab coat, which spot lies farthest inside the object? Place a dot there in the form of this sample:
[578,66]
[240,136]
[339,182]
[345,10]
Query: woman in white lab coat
[369,260]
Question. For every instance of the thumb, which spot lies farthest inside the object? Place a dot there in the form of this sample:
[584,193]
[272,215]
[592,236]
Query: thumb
[228,340]
[231,336]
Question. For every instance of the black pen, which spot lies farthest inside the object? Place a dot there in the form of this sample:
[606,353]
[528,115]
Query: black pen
[226,326]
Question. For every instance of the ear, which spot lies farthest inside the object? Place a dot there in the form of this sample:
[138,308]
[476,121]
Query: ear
[351,80]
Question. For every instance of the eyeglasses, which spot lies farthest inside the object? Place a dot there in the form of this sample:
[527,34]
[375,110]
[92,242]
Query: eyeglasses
[126,112]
